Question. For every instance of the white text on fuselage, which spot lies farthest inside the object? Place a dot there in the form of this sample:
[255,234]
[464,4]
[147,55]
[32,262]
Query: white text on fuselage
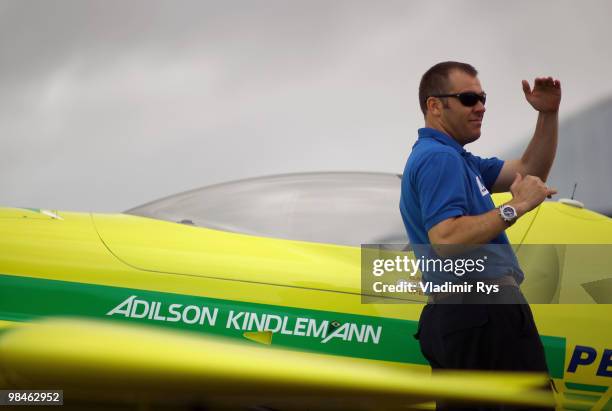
[246,321]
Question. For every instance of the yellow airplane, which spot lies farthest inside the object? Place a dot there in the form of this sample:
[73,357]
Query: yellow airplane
[249,294]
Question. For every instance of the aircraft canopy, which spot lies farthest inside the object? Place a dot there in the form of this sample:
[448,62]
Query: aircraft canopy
[346,208]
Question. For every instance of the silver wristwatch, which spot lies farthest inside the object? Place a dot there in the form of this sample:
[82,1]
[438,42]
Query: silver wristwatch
[508,213]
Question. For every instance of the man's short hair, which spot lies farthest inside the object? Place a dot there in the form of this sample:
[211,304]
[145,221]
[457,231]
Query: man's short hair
[435,80]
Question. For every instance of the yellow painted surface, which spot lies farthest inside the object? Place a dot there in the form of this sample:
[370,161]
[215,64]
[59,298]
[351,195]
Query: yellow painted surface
[167,257]
[156,364]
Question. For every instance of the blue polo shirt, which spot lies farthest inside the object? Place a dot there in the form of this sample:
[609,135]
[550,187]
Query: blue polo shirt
[442,180]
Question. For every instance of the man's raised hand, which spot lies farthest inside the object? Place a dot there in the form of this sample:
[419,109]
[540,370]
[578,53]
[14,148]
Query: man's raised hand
[545,96]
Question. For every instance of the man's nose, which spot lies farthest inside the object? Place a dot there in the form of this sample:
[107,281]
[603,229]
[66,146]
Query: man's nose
[480,108]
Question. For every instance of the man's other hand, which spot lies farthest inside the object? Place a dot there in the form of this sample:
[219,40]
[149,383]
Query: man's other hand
[545,96]
[528,192]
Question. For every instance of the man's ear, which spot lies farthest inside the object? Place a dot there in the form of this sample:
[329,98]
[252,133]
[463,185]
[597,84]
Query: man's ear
[434,106]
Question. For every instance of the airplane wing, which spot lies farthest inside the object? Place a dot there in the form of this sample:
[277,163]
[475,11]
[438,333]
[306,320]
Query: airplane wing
[102,362]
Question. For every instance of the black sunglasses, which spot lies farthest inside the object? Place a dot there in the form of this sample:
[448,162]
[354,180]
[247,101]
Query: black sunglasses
[468,99]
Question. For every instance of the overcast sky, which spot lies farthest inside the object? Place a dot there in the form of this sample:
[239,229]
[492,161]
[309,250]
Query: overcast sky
[105,105]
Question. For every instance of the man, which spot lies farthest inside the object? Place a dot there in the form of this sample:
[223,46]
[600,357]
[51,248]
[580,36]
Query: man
[446,201]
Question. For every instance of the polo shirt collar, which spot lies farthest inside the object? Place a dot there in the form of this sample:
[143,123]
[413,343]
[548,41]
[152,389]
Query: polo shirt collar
[441,138]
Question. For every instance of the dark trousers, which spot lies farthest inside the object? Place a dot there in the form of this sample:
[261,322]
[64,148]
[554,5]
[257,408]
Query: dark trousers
[501,337]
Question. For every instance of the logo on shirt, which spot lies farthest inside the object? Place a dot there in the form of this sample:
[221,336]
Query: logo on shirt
[483,189]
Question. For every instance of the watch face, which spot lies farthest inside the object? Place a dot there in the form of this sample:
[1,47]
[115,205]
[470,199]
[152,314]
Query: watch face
[508,212]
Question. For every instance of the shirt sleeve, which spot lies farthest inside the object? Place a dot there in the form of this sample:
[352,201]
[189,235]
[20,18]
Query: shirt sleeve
[489,170]
[441,188]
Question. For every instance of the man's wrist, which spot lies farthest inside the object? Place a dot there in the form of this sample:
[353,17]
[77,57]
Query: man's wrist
[549,113]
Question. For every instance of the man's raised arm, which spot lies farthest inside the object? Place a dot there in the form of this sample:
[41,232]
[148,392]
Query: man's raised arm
[538,158]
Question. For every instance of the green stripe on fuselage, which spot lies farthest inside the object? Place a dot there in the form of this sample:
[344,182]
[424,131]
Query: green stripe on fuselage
[377,338]
[585,387]
[581,397]
[554,350]
[25,298]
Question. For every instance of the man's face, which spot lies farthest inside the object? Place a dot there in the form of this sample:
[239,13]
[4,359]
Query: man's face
[463,123]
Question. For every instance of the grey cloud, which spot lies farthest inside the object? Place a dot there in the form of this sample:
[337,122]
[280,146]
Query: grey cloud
[108,104]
